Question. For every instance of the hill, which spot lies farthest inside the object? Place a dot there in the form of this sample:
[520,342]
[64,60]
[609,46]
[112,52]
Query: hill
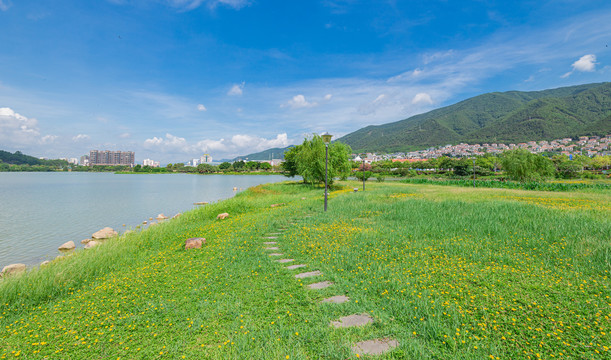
[18,158]
[274,153]
[512,116]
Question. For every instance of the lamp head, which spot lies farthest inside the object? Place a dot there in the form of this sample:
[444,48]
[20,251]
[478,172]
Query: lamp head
[326,138]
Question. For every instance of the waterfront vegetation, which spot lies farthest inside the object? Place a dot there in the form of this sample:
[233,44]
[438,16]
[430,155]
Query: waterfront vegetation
[449,272]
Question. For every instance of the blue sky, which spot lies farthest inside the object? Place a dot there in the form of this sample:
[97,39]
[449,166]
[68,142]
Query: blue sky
[173,79]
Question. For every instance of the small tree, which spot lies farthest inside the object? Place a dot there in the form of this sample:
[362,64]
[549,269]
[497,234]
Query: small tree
[308,160]
[522,165]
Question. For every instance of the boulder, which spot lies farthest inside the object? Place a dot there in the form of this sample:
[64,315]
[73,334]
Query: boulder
[13,269]
[105,233]
[222,216]
[91,244]
[85,241]
[161,217]
[177,215]
[46,262]
[67,246]
[152,224]
[145,222]
[194,243]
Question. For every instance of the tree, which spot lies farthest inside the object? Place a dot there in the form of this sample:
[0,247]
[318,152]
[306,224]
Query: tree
[522,165]
[308,160]
[224,165]
[265,166]
[137,168]
[238,165]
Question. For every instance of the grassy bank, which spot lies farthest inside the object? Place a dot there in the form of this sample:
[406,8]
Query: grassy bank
[449,272]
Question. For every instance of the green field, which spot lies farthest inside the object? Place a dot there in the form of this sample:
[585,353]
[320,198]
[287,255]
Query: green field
[448,272]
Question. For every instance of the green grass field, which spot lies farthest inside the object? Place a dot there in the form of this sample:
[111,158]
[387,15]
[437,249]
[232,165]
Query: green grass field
[448,272]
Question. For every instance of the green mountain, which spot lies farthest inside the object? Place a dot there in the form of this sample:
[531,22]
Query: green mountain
[512,116]
[275,153]
[18,158]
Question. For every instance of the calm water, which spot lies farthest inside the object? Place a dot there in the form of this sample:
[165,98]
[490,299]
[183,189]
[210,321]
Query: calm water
[41,211]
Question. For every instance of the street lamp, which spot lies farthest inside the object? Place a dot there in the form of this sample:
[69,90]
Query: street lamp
[358,158]
[326,138]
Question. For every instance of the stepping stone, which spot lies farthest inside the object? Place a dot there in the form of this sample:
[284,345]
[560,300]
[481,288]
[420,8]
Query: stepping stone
[285,260]
[308,274]
[320,285]
[352,320]
[273,234]
[338,299]
[270,243]
[374,347]
[272,248]
[271,237]
[293,267]
[275,254]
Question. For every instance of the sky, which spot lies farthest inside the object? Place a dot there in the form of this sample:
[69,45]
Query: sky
[174,79]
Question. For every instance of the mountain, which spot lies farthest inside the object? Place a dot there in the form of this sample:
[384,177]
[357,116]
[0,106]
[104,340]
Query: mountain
[275,153]
[504,117]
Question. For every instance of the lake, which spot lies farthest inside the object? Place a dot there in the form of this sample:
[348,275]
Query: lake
[41,211]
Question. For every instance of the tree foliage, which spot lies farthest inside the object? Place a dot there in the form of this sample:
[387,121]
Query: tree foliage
[308,160]
[522,165]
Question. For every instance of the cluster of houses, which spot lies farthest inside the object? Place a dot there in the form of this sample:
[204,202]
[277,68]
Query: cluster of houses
[589,146]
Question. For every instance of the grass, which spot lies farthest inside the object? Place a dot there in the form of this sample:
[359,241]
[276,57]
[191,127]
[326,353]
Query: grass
[449,272]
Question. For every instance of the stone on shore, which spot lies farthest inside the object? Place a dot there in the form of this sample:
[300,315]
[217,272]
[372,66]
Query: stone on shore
[105,233]
[69,245]
[222,216]
[161,217]
[194,243]
[177,215]
[91,244]
[46,262]
[13,269]
[85,241]
[200,203]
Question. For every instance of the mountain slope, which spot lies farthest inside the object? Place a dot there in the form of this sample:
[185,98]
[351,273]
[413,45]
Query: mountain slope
[512,116]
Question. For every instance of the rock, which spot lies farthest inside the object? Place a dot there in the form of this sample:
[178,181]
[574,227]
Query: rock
[46,262]
[308,274]
[91,244]
[145,222]
[150,218]
[276,205]
[67,246]
[85,241]
[352,321]
[222,216]
[123,224]
[153,223]
[320,285]
[105,233]
[235,188]
[161,217]
[13,269]
[194,243]
[177,215]
[374,347]
[338,299]
[303,198]
[200,203]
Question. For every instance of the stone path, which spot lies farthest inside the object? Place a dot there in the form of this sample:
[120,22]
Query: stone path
[293,267]
[369,347]
[374,347]
[352,320]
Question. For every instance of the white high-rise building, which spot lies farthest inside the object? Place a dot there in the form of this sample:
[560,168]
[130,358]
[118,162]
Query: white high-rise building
[206,158]
[149,162]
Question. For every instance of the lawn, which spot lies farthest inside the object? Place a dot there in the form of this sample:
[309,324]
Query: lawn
[448,272]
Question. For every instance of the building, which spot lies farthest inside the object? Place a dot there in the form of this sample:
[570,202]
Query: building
[149,162]
[84,160]
[97,157]
[205,159]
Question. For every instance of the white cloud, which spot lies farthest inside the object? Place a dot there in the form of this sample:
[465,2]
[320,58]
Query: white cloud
[236,90]
[586,63]
[48,139]
[201,107]
[298,102]
[4,5]
[17,129]
[422,98]
[238,144]
[328,97]
[125,135]
[81,137]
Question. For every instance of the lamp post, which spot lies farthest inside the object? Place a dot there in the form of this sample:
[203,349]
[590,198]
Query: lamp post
[326,138]
[473,172]
[358,158]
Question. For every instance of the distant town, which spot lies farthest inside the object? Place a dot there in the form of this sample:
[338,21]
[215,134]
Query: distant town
[584,145]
